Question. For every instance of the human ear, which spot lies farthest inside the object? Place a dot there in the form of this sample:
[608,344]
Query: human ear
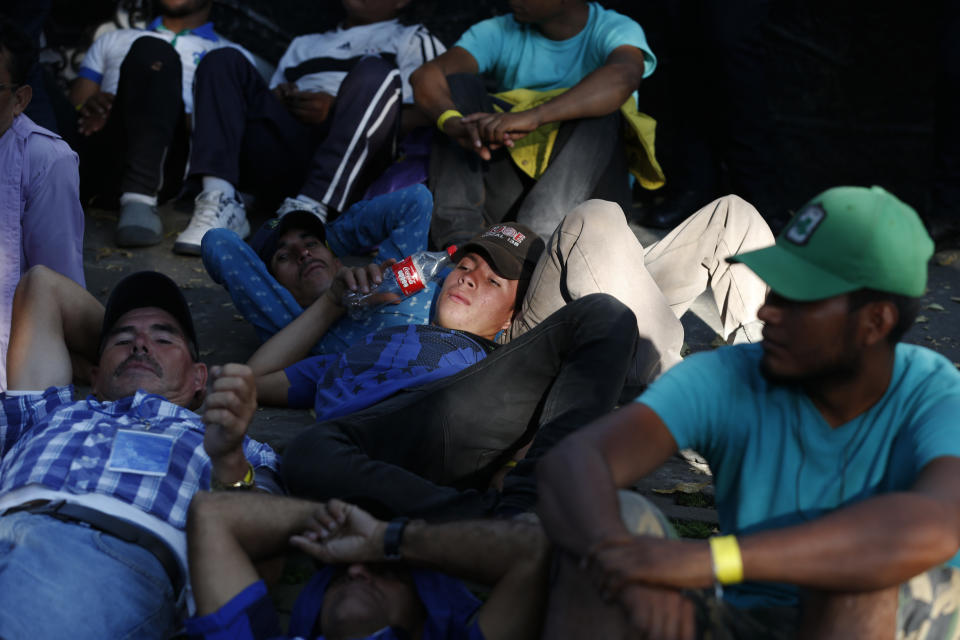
[94,380]
[21,97]
[199,374]
[880,318]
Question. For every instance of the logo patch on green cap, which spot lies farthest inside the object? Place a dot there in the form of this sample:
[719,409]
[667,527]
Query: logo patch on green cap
[804,223]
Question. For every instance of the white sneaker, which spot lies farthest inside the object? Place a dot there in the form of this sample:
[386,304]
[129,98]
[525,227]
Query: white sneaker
[295,204]
[211,210]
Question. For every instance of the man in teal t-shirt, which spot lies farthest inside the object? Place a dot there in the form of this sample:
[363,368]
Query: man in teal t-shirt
[835,449]
[599,56]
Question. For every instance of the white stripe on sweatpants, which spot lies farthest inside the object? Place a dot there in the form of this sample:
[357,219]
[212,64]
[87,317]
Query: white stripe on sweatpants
[363,155]
[356,136]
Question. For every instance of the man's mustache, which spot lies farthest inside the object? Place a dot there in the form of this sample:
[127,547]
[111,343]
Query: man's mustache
[139,360]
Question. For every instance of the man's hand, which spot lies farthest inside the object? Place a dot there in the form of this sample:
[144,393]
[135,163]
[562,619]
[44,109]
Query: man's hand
[654,612]
[647,560]
[309,107]
[362,280]
[342,533]
[467,135]
[283,90]
[228,409]
[503,128]
[94,113]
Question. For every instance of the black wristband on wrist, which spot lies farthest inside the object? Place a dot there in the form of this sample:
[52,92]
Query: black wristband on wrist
[392,538]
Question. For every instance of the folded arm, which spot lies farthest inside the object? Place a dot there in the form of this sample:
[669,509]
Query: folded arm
[511,556]
[55,331]
[600,93]
[873,544]
[293,343]
[228,531]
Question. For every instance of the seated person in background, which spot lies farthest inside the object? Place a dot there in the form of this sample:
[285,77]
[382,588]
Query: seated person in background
[590,60]
[835,450]
[41,220]
[326,121]
[385,580]
[133,91]
[94,493]
[292,261]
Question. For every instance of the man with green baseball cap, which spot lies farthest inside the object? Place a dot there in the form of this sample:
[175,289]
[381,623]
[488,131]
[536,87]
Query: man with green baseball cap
[835,449]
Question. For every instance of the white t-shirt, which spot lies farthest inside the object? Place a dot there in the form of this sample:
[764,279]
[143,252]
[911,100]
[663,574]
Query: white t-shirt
[320,61]
[104,57]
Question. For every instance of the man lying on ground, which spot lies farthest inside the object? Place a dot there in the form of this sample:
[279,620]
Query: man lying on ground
[476,302]
[94,493]
[385,580]
[293,260]
[835,450]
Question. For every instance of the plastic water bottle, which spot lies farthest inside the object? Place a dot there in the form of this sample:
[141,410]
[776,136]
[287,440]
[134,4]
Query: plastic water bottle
[402,279]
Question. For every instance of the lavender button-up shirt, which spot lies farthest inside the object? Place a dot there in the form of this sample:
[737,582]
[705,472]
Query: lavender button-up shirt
[41,220]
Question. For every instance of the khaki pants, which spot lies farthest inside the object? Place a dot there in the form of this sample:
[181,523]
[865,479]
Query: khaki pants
[594,250]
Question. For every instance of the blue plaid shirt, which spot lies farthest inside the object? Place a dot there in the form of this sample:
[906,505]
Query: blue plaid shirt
[51,440]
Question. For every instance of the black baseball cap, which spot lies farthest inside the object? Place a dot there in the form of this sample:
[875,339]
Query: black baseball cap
[264,241]
[149,289]
[511,249]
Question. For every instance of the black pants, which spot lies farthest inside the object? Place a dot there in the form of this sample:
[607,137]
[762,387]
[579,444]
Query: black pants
[144,140]
[431,451]
[588,161]
[244,134]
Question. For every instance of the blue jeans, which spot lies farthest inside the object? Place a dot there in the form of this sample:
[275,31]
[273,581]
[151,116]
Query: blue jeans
[64,580]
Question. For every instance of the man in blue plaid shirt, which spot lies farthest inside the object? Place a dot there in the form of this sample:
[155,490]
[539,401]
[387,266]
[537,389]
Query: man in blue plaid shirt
[94,493]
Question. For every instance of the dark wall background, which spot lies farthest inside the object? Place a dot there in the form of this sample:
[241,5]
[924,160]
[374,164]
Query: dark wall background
[850,83]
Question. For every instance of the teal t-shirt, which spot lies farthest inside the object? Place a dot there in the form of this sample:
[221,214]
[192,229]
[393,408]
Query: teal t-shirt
[517,56]
[776,462]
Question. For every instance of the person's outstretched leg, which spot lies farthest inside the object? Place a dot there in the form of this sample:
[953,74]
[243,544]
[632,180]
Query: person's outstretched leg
[594,251]
[241,133]
[584,153]
[147,108]
[459,178]
[693,257]
[575,608]
[361,126]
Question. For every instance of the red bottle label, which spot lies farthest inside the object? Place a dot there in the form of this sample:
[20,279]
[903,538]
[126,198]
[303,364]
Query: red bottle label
[407,276]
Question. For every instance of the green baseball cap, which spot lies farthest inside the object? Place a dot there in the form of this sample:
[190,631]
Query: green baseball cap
[844,239]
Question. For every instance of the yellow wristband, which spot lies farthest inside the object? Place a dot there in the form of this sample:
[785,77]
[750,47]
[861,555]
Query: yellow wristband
[247,482]
[727,563]
[446,115]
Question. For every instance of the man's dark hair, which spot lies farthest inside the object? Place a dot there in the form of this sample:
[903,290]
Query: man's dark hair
[21,53]
[907,309]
